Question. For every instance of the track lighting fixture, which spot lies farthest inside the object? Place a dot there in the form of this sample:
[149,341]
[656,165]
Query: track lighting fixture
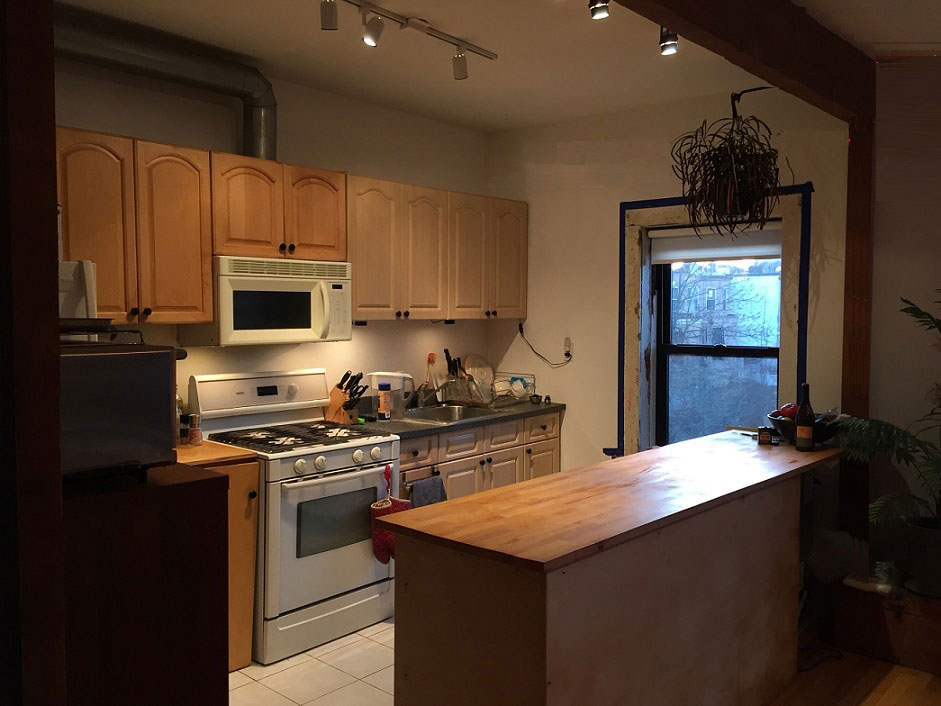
[372,30]
[328,14]
[459,64]
[598,9]
[669,42]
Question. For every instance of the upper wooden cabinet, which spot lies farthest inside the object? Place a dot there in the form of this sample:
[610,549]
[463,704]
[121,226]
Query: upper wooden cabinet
[374,224]
[96,193]
[314,213]
[174,231]
[509,250]
[469,262]
[247,206]
[424,254]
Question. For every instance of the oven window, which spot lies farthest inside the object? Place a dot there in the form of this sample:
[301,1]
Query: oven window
[253,311]
[333,522]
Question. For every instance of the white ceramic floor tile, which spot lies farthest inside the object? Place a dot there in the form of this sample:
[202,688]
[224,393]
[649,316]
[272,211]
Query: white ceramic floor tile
[237,679]
[259,671]
[307,681]
[356,694]
[361,658]
[383,679]
[377,628]
[256,694]
[335,645]
[386,637]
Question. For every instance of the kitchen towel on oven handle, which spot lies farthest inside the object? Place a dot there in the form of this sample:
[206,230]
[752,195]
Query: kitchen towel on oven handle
[383,540]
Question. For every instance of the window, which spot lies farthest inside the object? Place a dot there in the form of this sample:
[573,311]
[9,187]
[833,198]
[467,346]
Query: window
[717,366]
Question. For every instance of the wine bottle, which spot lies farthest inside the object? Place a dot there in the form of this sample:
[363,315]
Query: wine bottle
[804,421]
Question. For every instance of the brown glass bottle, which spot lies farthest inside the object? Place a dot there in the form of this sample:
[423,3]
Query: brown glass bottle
[804,421]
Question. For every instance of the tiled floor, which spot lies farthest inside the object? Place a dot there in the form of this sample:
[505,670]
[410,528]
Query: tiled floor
[355,670]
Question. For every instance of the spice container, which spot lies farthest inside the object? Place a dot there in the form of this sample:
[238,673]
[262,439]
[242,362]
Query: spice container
[765,436]
[195,435]
[385,402]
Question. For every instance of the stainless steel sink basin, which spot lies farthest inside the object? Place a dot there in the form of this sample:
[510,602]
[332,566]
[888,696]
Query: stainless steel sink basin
[447,413]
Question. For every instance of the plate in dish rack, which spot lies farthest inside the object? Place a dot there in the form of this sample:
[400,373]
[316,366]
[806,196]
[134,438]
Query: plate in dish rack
[477,366]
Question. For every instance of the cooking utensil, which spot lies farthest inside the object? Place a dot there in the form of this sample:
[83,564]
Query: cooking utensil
[450,361]
[358,392]
[346,376]
[353,382]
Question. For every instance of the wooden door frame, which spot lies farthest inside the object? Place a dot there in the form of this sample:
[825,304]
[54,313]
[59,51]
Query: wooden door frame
[798,55]
[32,591]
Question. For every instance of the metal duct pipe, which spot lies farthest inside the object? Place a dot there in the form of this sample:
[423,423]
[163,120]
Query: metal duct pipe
[99,39]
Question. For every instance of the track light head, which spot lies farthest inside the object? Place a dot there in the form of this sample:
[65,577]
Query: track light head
[459,64]
[598,9]
[372,30]
[669,42]
[328,14]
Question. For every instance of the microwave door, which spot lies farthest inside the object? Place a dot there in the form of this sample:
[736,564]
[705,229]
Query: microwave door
[257,310]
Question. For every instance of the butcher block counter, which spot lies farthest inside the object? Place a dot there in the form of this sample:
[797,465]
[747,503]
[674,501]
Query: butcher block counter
[668,576]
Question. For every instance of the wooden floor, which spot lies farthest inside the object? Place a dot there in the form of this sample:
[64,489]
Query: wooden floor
[854,680]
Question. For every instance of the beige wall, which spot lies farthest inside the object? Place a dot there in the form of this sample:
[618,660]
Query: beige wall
[906,360]
[316,128]
[574,175]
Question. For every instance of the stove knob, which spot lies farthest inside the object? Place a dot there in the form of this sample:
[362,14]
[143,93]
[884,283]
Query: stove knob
[300,466]
[375,453]
[320,463]
[293,389]
[358,456]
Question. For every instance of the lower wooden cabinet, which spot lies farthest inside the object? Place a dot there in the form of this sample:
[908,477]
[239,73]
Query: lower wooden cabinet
[463,477]
[504,468]
[542,458]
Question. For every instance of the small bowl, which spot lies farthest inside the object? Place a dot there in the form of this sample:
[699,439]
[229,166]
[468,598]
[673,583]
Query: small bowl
[785,426]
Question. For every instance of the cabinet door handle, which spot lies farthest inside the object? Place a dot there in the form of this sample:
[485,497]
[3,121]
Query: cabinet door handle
[282,247]
[147,311]
[398,314]
[292,247]
[134,311]
[494,312]
[482,462]
[529,451]
[545,426]
[489,460]
[435,472]
[414,452]
[406,314]
[252,494]
[487,313]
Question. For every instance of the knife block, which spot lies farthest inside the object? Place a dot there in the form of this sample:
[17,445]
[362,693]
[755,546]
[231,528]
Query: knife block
[335,411]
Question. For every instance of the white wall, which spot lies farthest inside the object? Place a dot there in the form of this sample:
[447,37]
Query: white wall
[906,360]
[575,174]
[314,128]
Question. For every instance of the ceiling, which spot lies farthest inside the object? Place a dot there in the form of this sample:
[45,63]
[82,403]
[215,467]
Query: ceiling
[555,63]
[882,28]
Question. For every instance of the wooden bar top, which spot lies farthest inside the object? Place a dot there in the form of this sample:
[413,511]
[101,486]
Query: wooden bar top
[211,452]
[549,522]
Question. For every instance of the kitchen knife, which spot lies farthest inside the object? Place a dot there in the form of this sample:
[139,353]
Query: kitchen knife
[358,392]
[346,376]
[353,381]
[450,360]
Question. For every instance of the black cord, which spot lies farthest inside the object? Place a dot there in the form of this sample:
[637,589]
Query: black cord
[568,354]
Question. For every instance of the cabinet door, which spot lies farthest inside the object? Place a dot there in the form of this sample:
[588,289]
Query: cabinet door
[424,248]
[505,467]
[243,539]
[542,459]
[174,233]
[464,477]
[505,435]
[464,442]
[247,206]
[374,224]
[509,251]
[314,213]
[469,258]
[96,191]
[422,451]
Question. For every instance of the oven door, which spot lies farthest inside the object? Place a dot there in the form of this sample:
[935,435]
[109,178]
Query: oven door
[256,310]
[320,538]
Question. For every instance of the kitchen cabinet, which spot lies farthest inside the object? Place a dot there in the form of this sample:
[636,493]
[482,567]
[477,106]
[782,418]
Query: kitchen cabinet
[314,213]
[374,222]
[424,254]
[545,426]
[509,253]
[95,187]
[462,442]
[174,233]
[422,451]
[463,477]
[504,468]
[501,436]
[247,206]
[469,261]
[542,459]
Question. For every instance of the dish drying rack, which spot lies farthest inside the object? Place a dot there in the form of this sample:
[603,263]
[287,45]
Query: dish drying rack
[506,389]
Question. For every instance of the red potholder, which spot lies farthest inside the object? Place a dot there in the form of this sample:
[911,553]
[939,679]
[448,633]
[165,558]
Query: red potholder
[383,540]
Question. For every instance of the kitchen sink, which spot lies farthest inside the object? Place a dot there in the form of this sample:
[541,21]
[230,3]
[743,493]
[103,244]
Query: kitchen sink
[445,414]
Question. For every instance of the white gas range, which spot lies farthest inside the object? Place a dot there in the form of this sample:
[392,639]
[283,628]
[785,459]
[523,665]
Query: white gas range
[317,577]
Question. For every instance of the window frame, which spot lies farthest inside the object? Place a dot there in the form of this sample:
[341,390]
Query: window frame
[663,283]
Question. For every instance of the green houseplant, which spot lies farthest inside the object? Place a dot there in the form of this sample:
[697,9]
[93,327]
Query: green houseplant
[917,447]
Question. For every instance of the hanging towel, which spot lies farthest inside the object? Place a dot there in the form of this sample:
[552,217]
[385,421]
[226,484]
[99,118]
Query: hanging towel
[383,540]
[428,491]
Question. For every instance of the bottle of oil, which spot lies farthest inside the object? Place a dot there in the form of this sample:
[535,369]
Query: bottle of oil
[804,421]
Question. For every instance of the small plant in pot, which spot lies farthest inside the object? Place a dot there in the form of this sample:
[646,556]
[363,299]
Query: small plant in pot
[917,447]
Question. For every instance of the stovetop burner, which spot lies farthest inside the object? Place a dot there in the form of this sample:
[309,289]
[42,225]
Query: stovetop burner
[287,437]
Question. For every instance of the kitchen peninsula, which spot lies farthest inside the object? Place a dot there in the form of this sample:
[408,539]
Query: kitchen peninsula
[667,576]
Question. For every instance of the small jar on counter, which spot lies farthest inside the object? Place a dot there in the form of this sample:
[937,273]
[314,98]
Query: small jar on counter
[195,435]
[385,402]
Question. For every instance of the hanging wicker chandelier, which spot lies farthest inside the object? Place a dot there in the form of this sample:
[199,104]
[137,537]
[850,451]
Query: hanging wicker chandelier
[729,171]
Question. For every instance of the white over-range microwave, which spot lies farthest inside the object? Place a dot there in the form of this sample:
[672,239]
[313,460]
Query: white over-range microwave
[261,300]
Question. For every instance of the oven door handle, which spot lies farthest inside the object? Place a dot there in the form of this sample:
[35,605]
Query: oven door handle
[332,478]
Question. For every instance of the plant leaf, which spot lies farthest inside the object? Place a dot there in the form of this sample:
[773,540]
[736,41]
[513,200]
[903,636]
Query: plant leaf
[898,508]
[924,318]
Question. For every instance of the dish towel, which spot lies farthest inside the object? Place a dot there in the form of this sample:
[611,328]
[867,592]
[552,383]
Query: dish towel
[428,491]
[383,540]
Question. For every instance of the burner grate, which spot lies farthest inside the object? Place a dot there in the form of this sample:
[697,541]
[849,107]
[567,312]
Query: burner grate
[287,437]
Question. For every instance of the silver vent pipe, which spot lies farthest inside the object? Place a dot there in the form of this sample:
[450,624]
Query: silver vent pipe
[116,44]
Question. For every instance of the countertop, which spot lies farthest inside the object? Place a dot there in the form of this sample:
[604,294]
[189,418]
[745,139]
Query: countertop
[209,452]
[411,430]
[550,522]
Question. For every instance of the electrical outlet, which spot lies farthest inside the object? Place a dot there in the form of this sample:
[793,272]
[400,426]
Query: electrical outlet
[567,347]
